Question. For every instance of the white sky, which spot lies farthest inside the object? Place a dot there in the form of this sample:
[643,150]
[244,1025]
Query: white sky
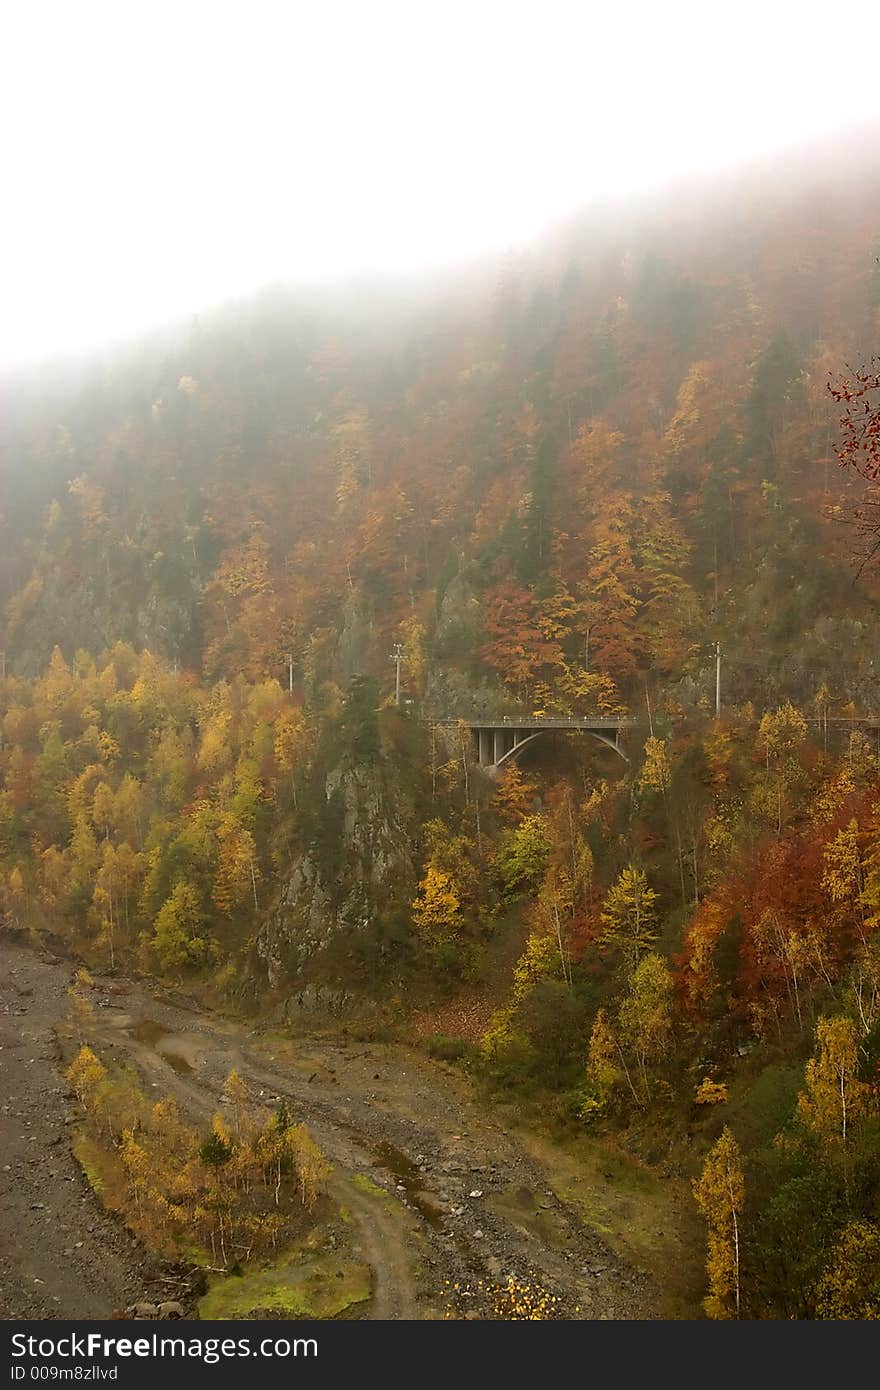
[159,157]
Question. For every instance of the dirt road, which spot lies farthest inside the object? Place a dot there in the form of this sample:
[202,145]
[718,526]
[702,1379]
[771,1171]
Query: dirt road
[460,1199]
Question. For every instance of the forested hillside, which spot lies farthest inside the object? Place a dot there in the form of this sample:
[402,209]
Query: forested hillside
[557,483]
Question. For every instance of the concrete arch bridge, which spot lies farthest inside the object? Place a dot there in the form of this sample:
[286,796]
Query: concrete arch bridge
[500,741]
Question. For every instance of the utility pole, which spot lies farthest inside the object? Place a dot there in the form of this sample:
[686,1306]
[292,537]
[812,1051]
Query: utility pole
[717,680]
[397,657]
[290,672]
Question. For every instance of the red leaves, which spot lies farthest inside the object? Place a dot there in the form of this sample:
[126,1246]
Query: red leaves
[860,422]
[516,646]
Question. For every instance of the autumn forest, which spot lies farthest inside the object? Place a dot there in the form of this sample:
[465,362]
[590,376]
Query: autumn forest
[607,477]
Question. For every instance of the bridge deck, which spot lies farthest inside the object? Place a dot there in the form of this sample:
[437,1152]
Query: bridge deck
[521,721]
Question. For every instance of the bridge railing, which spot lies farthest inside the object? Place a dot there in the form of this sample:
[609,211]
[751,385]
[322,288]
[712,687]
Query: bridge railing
[550,721]
[570,722]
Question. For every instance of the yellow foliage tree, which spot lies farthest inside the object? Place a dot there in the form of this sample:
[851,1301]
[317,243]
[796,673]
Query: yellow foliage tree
[710,1092]
[780,736]
[540,960]
[645,1017]
[138,1168]
[312,1168]
[290,744]
[85,1074]
[833,1097]
[720,1195]
[513,795]
[850,1286]
[15,894]
[656,773]
[629,914]
[843,875]
[236,875]
[437,907]
[179,937]
[603,1070]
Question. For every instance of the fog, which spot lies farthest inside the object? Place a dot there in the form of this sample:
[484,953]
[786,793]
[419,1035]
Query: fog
[160,158]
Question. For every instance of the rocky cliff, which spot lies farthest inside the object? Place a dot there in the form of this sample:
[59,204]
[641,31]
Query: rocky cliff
[358,859]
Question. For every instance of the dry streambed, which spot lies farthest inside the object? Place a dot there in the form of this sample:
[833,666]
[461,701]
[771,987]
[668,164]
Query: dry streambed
[430,1187]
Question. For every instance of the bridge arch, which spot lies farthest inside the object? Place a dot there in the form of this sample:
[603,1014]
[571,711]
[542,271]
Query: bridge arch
[514,752]
[501,741]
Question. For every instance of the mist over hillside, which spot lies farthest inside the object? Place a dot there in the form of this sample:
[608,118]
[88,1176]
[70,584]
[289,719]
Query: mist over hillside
[676,346]
[594,480]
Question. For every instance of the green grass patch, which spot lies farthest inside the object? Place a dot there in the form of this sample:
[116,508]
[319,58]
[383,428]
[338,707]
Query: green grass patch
[650,1221]
[444,1048]
[365,1184]
[96,1163]
[296,1286]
